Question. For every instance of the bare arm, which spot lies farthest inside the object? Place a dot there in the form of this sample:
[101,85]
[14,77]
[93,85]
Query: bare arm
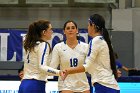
[125,68]
[74,70]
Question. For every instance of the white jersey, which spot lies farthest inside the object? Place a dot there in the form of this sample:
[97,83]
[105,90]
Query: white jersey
[67,57]
[98,63]
[35,63]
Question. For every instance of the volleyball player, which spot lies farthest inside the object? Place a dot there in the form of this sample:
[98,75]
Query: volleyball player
[100,61]
[37,56]
[71,53]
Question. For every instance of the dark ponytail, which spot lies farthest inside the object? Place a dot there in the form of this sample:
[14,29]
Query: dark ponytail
[99,23]
[112,59]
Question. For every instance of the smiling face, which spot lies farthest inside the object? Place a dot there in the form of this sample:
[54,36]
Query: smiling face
[70,30]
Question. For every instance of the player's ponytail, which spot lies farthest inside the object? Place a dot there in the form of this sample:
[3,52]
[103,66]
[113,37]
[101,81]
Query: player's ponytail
[99,23]
[112,59]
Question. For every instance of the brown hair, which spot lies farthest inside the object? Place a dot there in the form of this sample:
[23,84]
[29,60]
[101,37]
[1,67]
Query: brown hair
[34,34]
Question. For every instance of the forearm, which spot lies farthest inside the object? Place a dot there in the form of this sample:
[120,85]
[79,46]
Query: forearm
[50,71]
[125,68]
[74,70]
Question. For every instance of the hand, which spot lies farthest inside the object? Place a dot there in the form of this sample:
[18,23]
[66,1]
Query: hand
[119,73]
[63,74]
[21,74]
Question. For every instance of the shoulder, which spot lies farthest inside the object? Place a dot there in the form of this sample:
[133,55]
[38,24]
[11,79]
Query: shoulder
[38,43]
[41,45]
[98,38]
[83,44]
[59,45]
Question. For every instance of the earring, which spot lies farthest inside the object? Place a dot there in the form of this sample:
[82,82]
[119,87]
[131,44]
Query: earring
[43,31]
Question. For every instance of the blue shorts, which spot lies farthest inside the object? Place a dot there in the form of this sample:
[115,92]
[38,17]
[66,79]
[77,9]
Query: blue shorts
[32,86]
[103,89]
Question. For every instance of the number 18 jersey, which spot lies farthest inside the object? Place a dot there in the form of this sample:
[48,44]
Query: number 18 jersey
[66,57]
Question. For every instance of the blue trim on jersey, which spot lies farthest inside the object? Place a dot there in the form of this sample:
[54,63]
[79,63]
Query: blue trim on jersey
[102,38]
[64,41]
[44,54]
[90,45]
[51,71]
[79,41]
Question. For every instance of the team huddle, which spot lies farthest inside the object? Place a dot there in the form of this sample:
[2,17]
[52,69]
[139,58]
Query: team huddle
[72,56]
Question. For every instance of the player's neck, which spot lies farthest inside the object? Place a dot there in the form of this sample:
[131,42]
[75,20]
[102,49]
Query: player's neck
[72,43]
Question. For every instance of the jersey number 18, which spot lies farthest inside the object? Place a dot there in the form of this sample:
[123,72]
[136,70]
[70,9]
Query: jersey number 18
[73,62]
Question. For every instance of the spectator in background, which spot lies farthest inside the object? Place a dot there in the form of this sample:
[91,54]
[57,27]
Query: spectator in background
[119,64]
[119,73]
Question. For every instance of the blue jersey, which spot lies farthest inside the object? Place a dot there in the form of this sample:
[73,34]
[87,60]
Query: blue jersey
[118,64]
